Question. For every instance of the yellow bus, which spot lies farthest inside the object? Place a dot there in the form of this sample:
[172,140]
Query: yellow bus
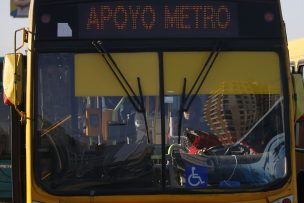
[296,52]
[156,101]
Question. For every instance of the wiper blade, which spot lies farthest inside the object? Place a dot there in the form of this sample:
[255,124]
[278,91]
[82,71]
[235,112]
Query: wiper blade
[187,101]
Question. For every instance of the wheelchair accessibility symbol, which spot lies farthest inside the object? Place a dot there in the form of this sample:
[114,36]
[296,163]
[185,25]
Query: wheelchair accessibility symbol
[197,176]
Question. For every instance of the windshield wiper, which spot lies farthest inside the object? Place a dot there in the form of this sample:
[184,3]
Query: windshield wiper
[137,104]
[187,101]
[181,110]
[118,74]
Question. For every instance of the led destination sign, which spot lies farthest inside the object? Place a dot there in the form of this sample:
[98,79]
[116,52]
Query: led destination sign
[157,19]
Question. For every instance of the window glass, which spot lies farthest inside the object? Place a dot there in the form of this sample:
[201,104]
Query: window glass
[104,142]
[92,136]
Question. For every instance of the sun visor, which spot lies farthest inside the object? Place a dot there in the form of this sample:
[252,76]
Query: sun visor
[93,77]
[231,73]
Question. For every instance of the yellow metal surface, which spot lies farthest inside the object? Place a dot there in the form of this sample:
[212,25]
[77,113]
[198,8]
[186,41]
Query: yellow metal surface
[29,109]
[254,197]
[93,77]
[232,72]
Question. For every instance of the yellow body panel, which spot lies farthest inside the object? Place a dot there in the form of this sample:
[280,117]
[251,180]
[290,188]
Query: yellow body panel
[258,197]
[29,106]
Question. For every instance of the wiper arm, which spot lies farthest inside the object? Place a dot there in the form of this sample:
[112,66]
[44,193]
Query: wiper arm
[215,48]
[186,102]
[118,75]
[213,55]
[203,80]
[181,110]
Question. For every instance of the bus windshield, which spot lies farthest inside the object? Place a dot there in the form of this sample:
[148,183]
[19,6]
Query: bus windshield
[90,137]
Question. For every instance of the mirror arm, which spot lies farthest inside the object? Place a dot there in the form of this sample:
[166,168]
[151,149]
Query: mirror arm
[22,115]
[24,38]
[24,31]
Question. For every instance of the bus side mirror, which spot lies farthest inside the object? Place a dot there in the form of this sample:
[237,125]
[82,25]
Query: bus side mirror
[299,96]
[12,79]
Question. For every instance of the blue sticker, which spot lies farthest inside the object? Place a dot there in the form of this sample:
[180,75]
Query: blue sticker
[196,176]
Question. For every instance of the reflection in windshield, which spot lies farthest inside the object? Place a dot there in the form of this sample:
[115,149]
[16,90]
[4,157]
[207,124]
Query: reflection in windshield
[101,143]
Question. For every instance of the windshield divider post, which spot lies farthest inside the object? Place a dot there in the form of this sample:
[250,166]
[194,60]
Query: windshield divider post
[181,110]
[162,115]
